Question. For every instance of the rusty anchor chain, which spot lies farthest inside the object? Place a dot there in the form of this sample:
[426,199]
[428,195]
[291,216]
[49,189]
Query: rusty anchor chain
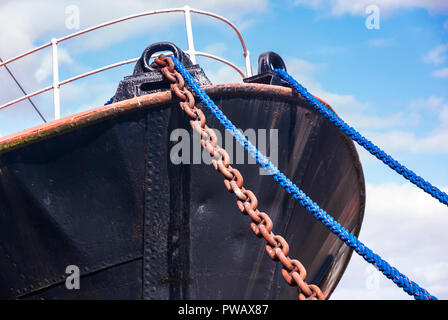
[277,247]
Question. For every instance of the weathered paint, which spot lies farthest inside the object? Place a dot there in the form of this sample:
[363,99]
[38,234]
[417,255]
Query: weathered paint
[97,190]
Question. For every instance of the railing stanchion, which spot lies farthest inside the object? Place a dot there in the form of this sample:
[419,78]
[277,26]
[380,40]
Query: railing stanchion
[56,98]
[188,28]
[248,65]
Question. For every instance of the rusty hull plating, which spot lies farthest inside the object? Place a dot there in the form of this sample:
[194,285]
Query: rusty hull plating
[97,190]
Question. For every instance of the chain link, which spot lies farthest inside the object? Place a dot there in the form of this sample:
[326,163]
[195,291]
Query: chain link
[277,247]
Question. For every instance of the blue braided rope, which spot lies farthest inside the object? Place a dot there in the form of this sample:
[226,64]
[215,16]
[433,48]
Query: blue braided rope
[109,101]
[390,272]
[361,140]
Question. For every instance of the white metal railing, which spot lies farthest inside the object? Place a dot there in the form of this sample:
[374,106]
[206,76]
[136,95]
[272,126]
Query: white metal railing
[191,52]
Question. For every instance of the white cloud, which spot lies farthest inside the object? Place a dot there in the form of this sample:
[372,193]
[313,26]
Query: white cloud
[381,42]
[223,74]
[444,115]
[98,95]
[435,105]
[406,227]
[392,132]
[305,68]
[348,107]
[440,73]
[306,73]
[27,24]
[431,103]
[369,122]
[44,70]
[29,21]
[433,142]
[217,49]
[340,7]
[437,55]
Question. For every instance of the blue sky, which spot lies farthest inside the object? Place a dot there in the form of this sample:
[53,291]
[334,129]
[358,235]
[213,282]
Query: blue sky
[390,83]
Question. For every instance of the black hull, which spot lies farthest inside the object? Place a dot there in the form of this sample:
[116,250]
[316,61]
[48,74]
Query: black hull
[102,194]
